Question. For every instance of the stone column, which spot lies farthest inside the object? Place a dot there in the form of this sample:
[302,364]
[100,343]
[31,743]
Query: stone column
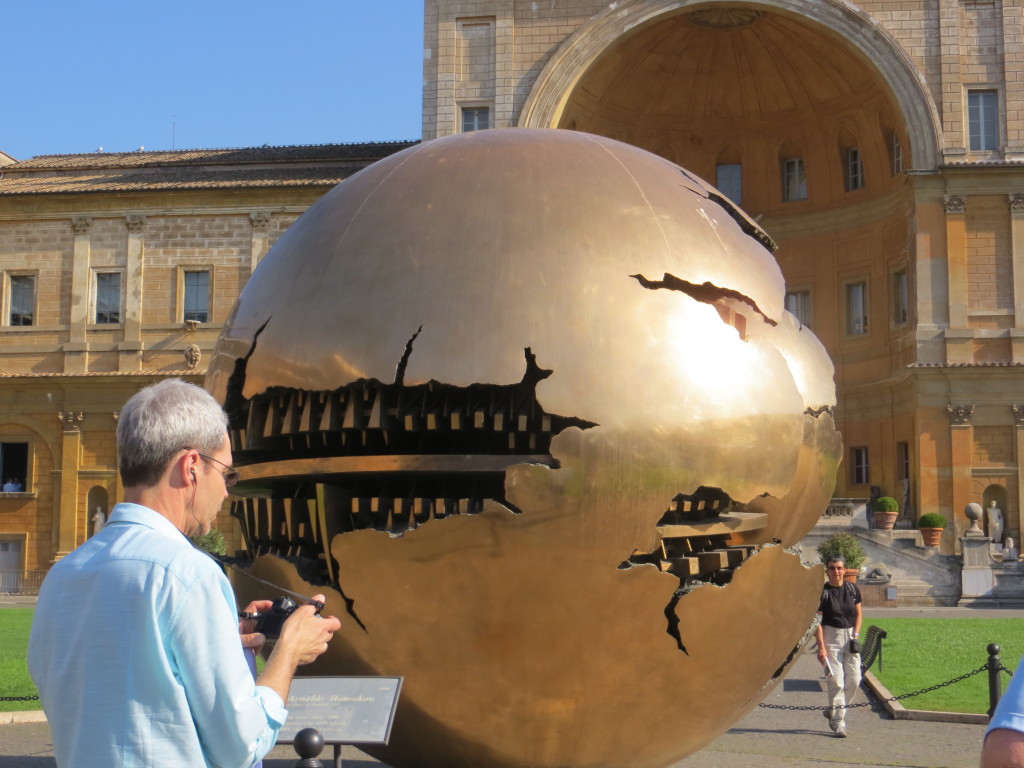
[959,339]
[960,434]
[66,533]
[76,349]
[130,349]
[260,238]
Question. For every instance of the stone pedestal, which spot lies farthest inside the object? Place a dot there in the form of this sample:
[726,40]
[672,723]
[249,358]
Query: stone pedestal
[977,581]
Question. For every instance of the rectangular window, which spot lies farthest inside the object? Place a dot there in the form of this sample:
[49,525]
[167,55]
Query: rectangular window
[902,461]
[475,118]
[854,169]
[897,154]
[23,300]
[794,182]
[856,309]
[197,296]
[14,466]
[900,300]
[798,303]
[729,180]
[983,121]
[859,466]
[108,298]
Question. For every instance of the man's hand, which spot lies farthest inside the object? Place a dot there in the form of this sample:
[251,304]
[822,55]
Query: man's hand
[306,634]
[304,637]
[247,627]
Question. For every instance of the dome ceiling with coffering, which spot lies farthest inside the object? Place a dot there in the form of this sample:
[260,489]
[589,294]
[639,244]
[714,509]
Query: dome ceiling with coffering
[697,83]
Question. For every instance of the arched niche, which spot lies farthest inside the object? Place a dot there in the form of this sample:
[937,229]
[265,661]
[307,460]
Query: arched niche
[98,502]
[848,26]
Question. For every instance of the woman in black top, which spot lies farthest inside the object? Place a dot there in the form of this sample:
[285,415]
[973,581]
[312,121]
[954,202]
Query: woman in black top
[840,624]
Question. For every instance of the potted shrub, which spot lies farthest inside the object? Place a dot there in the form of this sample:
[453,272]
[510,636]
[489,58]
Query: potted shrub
[848,547]
[931,524]
[887,509]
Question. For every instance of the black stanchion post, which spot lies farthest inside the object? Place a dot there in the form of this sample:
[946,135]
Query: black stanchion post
[994,688]
[308,743]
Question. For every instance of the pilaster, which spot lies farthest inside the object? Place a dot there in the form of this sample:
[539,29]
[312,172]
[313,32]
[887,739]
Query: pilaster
[66,534]
[952,107]
[260,243]
[504,64]
[1018,433]
[130,349]
[960,436]
[76,353]
[959,349]
[1013,66]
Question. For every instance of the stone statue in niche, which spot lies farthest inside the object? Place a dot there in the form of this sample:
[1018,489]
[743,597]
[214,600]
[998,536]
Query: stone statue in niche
[99,519]
[994,516]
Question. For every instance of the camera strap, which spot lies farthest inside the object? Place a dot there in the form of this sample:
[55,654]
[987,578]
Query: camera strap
[226,562]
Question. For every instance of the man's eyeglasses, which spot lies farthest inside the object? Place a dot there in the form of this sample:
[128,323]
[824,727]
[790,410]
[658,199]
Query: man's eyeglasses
[831,567]
[230,475]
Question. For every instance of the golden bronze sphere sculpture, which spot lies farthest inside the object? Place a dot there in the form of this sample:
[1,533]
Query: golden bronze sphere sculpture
[529,404]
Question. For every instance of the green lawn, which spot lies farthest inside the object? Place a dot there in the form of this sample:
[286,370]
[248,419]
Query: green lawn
[14,679]
[919,653]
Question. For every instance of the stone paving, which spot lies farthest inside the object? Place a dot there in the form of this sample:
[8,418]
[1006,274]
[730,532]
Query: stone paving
[765,738]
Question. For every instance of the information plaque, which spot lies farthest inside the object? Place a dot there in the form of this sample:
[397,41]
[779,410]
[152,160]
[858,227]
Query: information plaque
[346,710]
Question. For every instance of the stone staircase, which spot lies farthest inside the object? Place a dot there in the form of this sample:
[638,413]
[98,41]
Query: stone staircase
[898,570]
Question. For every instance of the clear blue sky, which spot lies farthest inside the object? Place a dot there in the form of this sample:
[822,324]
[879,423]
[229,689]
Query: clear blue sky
[81,74]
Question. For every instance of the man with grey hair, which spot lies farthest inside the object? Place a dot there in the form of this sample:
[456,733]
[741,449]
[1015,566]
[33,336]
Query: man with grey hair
[165,681]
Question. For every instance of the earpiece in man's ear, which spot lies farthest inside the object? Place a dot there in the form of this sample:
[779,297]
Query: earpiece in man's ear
[194,481]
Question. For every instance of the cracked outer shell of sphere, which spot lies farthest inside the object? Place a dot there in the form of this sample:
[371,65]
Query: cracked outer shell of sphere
[655,317]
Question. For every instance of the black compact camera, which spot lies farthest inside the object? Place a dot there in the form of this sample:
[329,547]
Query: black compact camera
[854,645]
[269,622]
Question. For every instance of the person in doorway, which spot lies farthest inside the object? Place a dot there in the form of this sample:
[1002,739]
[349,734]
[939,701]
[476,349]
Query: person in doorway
[164,681]
[838,636]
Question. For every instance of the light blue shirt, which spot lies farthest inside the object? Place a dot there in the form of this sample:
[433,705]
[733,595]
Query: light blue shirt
[136,654]
[1010,709]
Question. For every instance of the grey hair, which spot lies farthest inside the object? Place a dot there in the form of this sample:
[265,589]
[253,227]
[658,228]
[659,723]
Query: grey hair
[161,420]
[835,559]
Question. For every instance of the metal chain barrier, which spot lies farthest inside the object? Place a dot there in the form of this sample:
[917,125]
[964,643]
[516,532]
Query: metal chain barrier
[929,689]
[793,707]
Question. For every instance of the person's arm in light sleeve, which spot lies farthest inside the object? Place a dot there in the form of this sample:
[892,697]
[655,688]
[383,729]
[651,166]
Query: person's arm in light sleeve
[1004,738]
[238,722]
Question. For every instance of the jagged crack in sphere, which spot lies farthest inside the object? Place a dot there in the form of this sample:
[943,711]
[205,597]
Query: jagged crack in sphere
[529,403]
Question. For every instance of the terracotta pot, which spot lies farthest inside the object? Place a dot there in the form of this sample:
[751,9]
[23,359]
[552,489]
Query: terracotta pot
[931,536]
[851,575]
[885,520]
